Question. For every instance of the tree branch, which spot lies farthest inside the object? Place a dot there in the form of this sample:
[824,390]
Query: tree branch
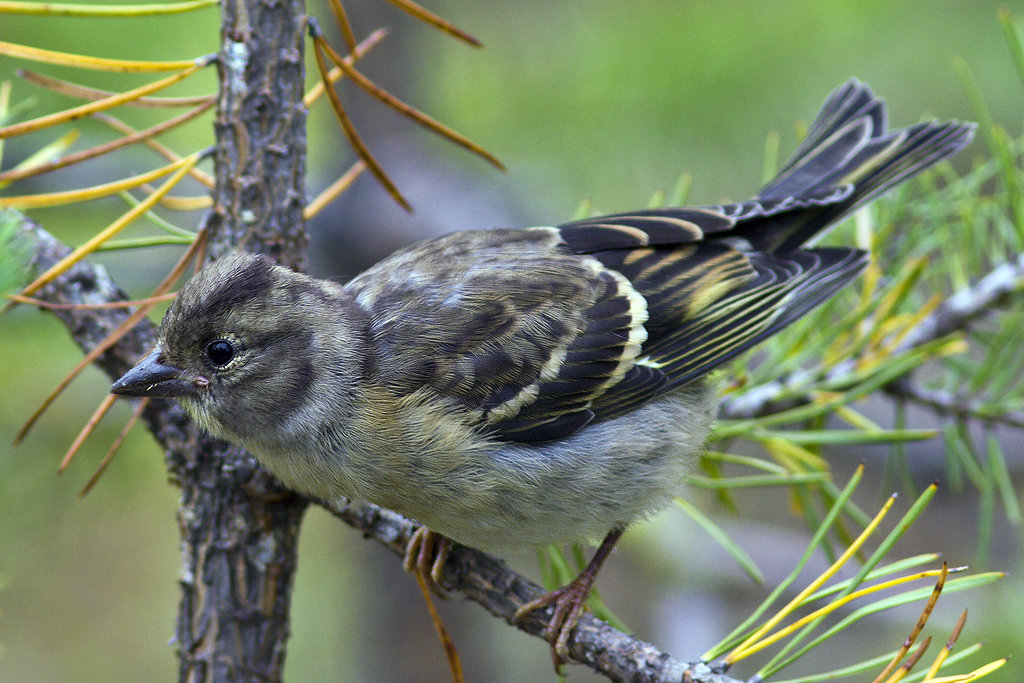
[948,403]
[252,555]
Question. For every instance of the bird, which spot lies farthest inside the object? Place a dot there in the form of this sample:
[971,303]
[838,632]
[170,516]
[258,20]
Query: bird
[515,388]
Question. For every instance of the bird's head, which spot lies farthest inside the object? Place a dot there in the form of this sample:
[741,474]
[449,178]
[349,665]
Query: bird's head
[237,346]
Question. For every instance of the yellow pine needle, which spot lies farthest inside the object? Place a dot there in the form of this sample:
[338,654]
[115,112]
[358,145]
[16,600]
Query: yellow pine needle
[331,192]
[918,627]
[972,676]
[349,129]
[40,159]
[890,325]
[833,606]
[856,419]
[940,658]
[910,272]
[789,454]
[195,203]
[344,25]
[356,53]
[99,105]
[451,654]
[70,89]
[34,201]
[437,22]
[110,304]
[741,650]
[90,425]
[25,170]
[199,175]
[915,320]
[36,54]
[409,112]
[112,451]
[82,10]
[117,226]
[197,246]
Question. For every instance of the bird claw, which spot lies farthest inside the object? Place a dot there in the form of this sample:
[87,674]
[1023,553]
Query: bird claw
[426,554]
[569,603]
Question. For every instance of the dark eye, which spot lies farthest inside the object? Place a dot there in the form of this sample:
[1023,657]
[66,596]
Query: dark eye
[220,352]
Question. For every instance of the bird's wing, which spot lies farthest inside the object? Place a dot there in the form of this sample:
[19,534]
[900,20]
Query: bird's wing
[541,331]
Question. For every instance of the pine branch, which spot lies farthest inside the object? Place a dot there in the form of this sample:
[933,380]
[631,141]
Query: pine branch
[948,403]
[964,307]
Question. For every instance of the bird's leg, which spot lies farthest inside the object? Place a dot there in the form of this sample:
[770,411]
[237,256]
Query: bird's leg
[426,554]
[569,602]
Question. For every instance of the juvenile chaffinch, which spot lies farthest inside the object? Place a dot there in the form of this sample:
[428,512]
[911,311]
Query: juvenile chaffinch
[516,388]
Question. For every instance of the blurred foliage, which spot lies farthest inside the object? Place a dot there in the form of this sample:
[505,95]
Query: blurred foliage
[597,99]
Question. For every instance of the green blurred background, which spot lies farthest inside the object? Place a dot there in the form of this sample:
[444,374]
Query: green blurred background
[595,99]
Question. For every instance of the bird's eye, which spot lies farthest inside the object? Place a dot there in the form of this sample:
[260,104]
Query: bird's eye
[220,352]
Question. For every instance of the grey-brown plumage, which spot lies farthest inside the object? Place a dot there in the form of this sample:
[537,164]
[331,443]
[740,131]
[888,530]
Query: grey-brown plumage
[514,388]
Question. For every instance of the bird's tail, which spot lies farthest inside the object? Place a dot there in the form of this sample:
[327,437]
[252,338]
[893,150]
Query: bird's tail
[847,159]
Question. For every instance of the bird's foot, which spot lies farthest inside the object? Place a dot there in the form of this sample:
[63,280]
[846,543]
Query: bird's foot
[569,602]
[426,555]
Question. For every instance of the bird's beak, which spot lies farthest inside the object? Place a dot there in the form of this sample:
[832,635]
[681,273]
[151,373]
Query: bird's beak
[152,377]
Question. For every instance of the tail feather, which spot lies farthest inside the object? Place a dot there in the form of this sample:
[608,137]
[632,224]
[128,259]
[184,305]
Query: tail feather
[849,150]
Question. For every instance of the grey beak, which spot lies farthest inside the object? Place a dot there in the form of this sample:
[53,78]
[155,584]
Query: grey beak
[151,377]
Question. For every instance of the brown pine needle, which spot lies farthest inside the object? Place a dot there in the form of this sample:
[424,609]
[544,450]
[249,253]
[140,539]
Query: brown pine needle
[112,451]
[99,105]
[346,123]
[114,336]
[90,425]
[117,124]
[406,110]
[333,190]
[77,307]
[360,50]
[450,653]
[70,89]
[105,148]
[95,63]
[911,662]
[200,253]
[429,17]
[344,25]
[916,631]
